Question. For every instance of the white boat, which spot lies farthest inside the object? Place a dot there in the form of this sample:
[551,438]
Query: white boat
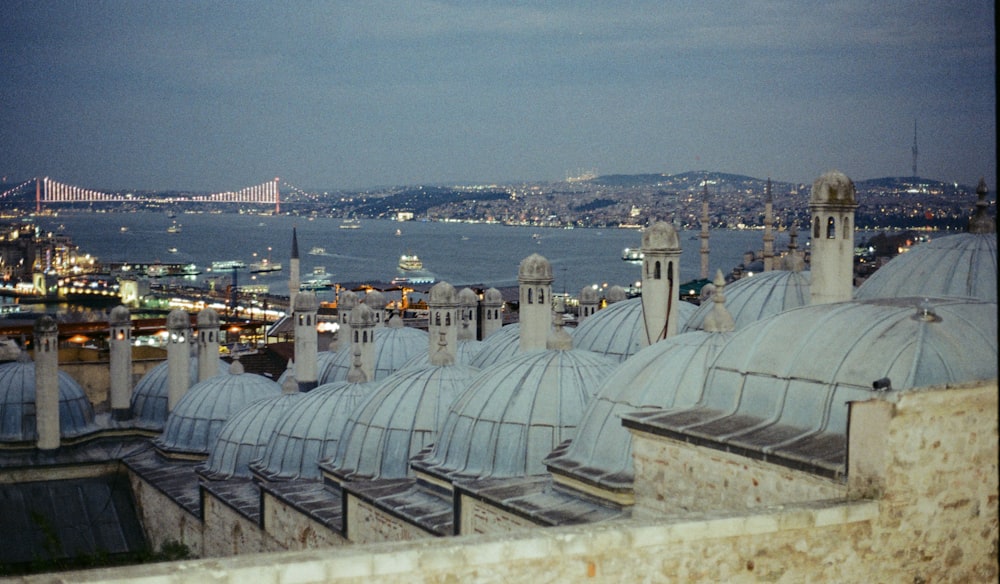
[317,251]
[632,255]
[410,262]
[174,228]
[265,265]
[172,249]
[228,265]
[350,224]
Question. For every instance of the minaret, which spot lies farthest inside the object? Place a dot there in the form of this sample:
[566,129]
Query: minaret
[47,383]
[120,343]
[981,222]
[589,300]
[208,344]
[661,250]
[442,319]
[768,229]
[492,312]
[362,344]
[831,206]
[306,341]
[703,236]
[468,329]
[294,274]
[178,356]
[346,302]
[534,278]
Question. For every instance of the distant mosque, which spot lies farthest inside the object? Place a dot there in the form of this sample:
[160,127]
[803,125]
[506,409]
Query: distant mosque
[791,427]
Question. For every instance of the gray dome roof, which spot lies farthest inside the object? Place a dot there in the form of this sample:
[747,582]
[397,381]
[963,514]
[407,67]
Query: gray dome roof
[324,360]
[244,435]
[402,417]
[963,265]
[466,297]
[309,431]
[492,297]
[442,293]
[667,374]
[589,294]
[499,346]
[466,351]
[394,346]
[306,301]
[177,319]
[208,318]
[833,187]
[618,331]
[757,297]
[149,398]
[534,268]
[194,424]
[119,315]
[17,404]
[513,414]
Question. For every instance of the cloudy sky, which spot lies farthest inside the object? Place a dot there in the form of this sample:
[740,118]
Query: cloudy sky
[216,96]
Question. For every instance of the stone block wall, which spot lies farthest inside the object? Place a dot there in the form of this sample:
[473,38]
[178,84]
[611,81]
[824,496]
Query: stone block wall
[227,533]
[480,517]
[162,519]
[369,524]
[291,530]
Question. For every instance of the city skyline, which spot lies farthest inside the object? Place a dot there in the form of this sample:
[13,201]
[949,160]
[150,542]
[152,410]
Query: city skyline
[148,95]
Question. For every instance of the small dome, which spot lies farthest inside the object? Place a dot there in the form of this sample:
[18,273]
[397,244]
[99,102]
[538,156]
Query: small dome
[375,300]
[616,294]
[833,188]
[194,424]
[499,346]
[362,315]
[149,398]
[513,414]
[467,297]
[208,318]
[442,294]
[309,431]
[534,268]
[306,301]
[347,300]
[178,319]
[46,324]
[17,403]
[244,435]
[401,417]
[756,297]
[394,346]
[120,315]
[619,331]
[660,236]
[668,374]
[492,297]
[589,295]
[962,265]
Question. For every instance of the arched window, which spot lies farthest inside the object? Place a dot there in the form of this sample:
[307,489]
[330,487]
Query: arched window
[831,228]
[437,318]
[847,228]
[656,270]
[447,319]
[356,337]
[816,228]
[541,296]
[530,296]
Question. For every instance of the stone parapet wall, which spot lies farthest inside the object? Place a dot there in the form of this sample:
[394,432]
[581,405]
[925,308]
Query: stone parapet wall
[162,519]
[227,533]
[369,524]
[481,517]
[290,529]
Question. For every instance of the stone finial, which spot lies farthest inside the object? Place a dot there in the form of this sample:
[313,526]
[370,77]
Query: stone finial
[357,372]
[290,385]
[980,222]
[236,368]
[558,339]
[718,320]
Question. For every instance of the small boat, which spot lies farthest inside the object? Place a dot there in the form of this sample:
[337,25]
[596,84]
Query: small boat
[350,224]
[157,271]
[124,229]
[399,233]
[410,262]
[172,249]
[265,265]
[317,251]
[632,255]
[174,228]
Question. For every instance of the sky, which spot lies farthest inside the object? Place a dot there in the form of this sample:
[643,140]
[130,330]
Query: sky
[215,96]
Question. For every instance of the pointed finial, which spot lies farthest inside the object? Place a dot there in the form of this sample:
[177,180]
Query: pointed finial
[236,368]
[980,222]
[558,338]
[719,320]
[295,244]
[290,385]
[356,374]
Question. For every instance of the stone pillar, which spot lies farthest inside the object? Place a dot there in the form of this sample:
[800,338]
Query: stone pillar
[47,383]
[492,308]
[362,344]
[534,278]
[831,208]
[467,306]
[345,303]
[208,344]
[120,342]
[178,356]
[442,320]
[661,252]
[306,341]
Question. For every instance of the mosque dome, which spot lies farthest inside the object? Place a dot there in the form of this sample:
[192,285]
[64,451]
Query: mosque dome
[442,293]
[465,352]
[618,331]
[589,295]
[514,413]
[395,344]
[534,267]
[244,436]
[466,297]
[194,424]
[206,318]
[667,374]
[660,236]
[756,297]
[833,188]
[306,302]
[616,294]
[178,319]
[499,346]
[492,297]
[962,265]
[309,431]
[149,398]
[401,417]
[17,403]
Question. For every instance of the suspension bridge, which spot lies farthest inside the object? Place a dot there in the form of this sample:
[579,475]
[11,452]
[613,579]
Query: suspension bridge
[50,192]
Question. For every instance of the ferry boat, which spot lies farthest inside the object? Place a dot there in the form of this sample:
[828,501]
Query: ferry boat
[350,224]
[228,265]
[265,265]
[632,255]
[317,251]
[410,262]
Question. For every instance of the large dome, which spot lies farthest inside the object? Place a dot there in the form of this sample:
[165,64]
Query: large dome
[499,346]
[149,398]
[514,413]
[757,297]
[309,431]
[402,417]
[194,424]
[963,265]
[465,352]
[618,331]
[244,436]
[667,374]
[394,346]
[17,404]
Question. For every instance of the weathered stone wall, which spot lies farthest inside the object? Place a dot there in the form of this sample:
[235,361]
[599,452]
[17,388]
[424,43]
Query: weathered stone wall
[162,519]
[673,476]
[481,517]
[368,524]
[227,533]
[291,530]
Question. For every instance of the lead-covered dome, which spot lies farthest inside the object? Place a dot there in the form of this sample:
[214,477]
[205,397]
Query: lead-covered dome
[756,297]
[244,436]
[149,398]
[618,331]
[395,344]
[500,346]
[195,422]
[514,413]
[18,422]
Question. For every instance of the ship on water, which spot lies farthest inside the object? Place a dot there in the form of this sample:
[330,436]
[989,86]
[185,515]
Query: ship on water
[410,263]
